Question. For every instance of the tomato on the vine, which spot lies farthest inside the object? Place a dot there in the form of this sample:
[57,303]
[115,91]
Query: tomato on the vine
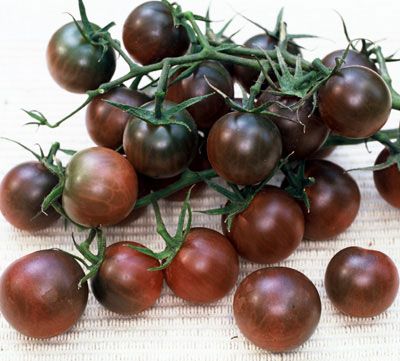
[353,58]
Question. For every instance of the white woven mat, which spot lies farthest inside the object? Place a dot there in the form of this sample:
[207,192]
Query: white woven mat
[173,329]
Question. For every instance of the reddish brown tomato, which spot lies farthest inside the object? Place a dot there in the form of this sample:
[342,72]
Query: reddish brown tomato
[353,58]
[205,269]
[39,294]
[387,181]
[105,123]
[150,34]
[244,148]
[124,283]
[209,110]
[324,152]
[277,308]
[22,192]
[355,102]
[270,229]
[361,282]
[100,187]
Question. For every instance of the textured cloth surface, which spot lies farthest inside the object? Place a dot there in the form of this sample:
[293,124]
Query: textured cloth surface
[173,329]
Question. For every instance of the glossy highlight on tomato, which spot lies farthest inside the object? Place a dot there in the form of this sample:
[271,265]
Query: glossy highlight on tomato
[353,58]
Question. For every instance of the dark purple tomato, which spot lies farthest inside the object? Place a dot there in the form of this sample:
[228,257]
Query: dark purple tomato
[209,110]
[76,64]
[244,148]
[302,129]
[39,294]
[277,308]
[105,123]
[150,34]
[269,229]
[100,187]
[22,192]
[324,152]
[353,58]
[161,151]
[387,181]
[205,269]
[355,102]
[361,282]
[124,283]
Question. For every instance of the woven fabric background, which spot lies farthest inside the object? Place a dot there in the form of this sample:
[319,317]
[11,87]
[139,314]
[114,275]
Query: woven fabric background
[173,329]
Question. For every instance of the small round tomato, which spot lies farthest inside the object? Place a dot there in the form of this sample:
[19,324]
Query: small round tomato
[387,181]
[269,241]
[353,58]
[76,64]
[105,123]
[277,308]
[361,282]
[22,192]
[209,110]
[39,294]
[244,148]
[324,152]
[150,34]
[100,187]
[302,129]
[355,102]
[205,269]
[124,283]
[161,151]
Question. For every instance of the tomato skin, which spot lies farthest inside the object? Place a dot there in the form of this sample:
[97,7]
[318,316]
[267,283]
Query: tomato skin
[93,195]
[150,35]
[277,308]
[39,294]
[209,110]
[353,58]
[105,123]
[244,148]
[160,151]
[270,229]
[75,64]
[205,269]
[355,103]
[22,192]
[361,282]
[387,181]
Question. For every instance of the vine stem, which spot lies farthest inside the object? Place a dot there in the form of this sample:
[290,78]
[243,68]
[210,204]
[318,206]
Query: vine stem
[382,136]
[161,88]
[200,36]
[117,47]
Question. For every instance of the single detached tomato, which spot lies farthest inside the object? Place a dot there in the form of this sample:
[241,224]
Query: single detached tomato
[124,283]
[361,282]
[270,229]
[205,269]
[277,308]
[150,34]
[22,192]
[387,181]
[353,58]
[355,102]
[39,294]
[100,187]
[209,110]
[302,129]
[244,148]
[105,123]
[76,64]
[161,151]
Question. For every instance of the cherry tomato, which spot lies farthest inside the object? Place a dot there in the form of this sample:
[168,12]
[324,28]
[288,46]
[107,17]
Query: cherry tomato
[22,192]
[161,151]
[105,123]
[324,152]
[39,294]
[244,148]
[100,187]
[205,269]
[150,34]
[77,65]
[387,181]
[355,103]
[209,110]
[277,308]
[302,130]
[124,283]
[361,282]
[267,242]
[353,58]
